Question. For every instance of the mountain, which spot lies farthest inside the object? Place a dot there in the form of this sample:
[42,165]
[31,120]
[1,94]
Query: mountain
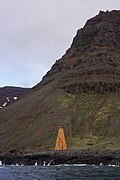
[81,92]
[9,94]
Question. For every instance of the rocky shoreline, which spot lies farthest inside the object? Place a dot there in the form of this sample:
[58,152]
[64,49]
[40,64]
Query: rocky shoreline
[62,157]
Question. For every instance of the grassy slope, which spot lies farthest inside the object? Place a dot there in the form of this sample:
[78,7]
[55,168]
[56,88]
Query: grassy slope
[90,121]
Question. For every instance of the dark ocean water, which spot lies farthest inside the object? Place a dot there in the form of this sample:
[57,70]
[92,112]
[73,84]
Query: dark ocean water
[63,172]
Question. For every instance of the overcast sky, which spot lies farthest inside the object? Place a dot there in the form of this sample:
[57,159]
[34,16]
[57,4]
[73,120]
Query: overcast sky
[35,33]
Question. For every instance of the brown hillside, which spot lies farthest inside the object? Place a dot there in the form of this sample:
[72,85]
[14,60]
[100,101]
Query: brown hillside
[81,91]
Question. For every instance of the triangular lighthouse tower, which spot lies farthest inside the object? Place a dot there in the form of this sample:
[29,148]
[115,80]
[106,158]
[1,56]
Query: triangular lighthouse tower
[60,142]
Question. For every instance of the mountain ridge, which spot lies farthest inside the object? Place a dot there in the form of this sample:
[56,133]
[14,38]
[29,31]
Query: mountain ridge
[9,94]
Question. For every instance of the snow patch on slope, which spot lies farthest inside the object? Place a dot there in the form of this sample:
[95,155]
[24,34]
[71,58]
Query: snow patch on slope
[15,98]
[4,104]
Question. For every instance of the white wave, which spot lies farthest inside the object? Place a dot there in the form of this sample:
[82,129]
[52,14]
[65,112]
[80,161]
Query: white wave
[71,165]
[78,164]
[22,164]
[44,163]
[49,163]
[36,163]
[113,165]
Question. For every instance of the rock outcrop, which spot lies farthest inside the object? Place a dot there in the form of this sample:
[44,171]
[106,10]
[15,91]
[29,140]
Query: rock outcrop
[92,63]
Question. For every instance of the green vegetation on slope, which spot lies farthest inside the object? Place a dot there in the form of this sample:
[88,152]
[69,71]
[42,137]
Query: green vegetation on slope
[94,120]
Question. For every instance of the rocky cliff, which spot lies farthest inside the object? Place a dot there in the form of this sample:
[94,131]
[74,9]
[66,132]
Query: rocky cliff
[92,63]
[81,91]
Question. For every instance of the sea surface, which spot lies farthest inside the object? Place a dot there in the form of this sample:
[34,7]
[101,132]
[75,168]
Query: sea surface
[60,172]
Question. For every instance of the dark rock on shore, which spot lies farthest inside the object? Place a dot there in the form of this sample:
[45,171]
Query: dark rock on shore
[63,157]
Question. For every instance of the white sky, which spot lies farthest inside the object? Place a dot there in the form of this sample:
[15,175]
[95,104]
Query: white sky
[35,33]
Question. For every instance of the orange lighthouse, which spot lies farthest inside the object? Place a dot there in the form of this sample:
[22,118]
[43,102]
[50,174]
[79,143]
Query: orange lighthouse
[60,142]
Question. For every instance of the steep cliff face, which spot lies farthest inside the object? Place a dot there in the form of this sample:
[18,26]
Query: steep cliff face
[93,61]
[81,91]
